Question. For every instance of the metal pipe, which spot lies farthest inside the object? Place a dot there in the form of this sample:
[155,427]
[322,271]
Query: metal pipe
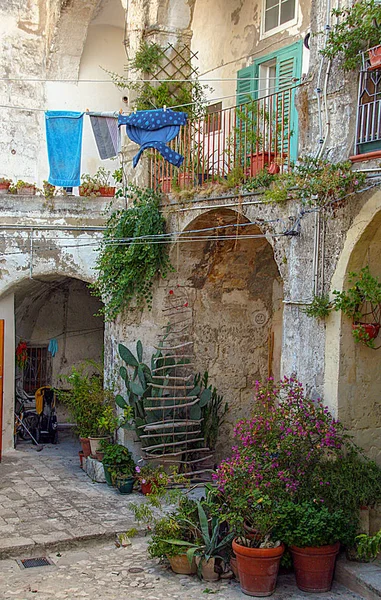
[2,322]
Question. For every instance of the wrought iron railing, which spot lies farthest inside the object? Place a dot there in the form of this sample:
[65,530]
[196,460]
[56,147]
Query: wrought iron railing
[242,139]
[368,126]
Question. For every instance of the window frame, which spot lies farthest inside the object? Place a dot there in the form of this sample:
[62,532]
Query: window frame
[282,27]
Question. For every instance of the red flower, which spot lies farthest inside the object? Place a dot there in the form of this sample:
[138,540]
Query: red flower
[170,292]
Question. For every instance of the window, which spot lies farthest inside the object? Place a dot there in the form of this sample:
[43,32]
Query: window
[213,117]
[277,13]
[37,370]
[273,74]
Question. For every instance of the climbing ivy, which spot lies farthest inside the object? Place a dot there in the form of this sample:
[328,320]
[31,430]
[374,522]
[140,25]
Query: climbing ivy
[128,265]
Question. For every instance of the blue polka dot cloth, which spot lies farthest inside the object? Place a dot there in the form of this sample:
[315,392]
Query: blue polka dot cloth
[154,129]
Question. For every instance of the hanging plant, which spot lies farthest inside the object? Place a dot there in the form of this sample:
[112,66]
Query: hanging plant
[21,354]
[357,28]
[130,258]
[362,303]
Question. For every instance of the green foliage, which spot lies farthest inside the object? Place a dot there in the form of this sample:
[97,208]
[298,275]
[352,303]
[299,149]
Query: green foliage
[5,180]
[357,28]
[180,525]
[365,291]
[89,403]
[91,185]
[118,460]
[319,308]
[128,265]
[263,179]
[153,94]
[315,182]
[312,524]
[368,546]
[254,127]
[147,58]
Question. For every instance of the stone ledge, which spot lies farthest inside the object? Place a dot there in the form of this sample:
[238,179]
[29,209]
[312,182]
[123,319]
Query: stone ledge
[361,578]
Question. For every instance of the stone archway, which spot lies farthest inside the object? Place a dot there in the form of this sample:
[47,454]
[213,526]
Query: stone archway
[237,293]
[38,310]
[353,378]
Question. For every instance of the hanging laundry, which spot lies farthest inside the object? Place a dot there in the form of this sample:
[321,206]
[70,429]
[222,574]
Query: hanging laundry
[53,346]
[64,142]
[154,129]
[106,133]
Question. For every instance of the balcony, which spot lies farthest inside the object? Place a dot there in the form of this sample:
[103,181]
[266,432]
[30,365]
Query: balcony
[242,139]
[368,123]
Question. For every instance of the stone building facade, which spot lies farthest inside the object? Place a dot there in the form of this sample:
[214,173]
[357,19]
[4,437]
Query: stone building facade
[247,296]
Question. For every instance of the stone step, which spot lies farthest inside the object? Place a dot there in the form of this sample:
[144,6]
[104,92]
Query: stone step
[363,579]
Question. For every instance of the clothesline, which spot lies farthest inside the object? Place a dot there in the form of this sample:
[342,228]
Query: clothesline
[126,80]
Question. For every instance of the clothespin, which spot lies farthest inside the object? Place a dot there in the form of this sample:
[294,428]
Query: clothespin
[135,110]
[121,111]
[87,110]
[165,108]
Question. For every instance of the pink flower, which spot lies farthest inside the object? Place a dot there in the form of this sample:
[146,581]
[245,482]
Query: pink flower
[137,469]
[144,481]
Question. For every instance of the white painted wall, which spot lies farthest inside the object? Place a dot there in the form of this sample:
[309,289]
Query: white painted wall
[7,313]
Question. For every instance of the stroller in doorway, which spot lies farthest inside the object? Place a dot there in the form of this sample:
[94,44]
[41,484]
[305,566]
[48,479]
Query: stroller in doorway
[47,426]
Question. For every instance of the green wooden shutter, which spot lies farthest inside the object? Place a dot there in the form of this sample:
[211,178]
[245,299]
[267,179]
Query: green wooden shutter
[246,84]
[289,66]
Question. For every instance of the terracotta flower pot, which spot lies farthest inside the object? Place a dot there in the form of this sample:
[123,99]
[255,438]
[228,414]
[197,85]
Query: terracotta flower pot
[166,185]
[258,568]
[85,443]
[81,457]
[185,180]
[146,488]
[314,567]
[370,329]
[4,187]
[107,191]
[29,190]
[375,57]
[99,455]
[207,569]
[180,564]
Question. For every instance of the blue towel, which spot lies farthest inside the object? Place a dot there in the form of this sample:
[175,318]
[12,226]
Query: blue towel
[64,141]
[153,129]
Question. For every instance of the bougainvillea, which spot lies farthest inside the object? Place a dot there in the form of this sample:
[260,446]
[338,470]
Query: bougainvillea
[278,448]
[21,354]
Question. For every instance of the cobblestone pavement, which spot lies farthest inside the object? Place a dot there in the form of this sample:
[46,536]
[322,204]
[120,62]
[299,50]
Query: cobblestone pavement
[45,497]
[109,573]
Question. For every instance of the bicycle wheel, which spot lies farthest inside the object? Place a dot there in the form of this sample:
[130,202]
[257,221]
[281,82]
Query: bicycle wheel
[30,421]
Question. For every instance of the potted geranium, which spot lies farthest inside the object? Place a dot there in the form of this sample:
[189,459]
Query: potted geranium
[97,185]
[152,479]
[313,533]
[362,303]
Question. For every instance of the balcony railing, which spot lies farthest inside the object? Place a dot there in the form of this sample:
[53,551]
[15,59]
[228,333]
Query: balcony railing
[368,128]
[242,139]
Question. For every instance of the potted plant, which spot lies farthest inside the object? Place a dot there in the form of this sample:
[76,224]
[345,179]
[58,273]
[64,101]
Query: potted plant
[23,188]
[106,424]
[97,185]
[152,479]
[85,398]
[313,533]
[178,526]
[124,475]
[259,135]
[117,461]
[362,303]
[4,185]
[368,546]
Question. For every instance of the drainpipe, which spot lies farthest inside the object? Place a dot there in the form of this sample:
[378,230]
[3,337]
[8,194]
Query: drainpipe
[1,382]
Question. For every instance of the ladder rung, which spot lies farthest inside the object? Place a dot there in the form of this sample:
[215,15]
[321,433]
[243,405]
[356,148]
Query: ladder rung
[150,408]
[172,387]
[171,398]
[167,445]
[169,425]
[172,434]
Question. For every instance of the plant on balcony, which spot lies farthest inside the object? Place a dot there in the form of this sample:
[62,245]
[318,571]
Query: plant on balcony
[362,303]
[357,28]
[97,185]
[4,185]
[23,188]
[316,182]
[129,260]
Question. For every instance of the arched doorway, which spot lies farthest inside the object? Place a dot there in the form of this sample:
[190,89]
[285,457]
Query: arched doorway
[353,377]
[236,293]
[46,309]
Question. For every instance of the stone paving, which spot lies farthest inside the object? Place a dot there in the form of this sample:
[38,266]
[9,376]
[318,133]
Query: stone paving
[109,573]
[45,498]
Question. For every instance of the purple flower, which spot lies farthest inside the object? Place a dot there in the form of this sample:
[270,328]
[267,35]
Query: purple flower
[137,469]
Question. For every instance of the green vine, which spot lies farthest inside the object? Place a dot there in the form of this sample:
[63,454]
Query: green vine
[127,265]
[319,308]
[357,28]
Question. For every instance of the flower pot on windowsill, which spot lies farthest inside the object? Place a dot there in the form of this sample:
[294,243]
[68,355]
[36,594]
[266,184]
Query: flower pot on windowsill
[314,567]
[180,564]
[4,187]
[258,568]
[366,331]
[27,190]
[107,191]
[375,58]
